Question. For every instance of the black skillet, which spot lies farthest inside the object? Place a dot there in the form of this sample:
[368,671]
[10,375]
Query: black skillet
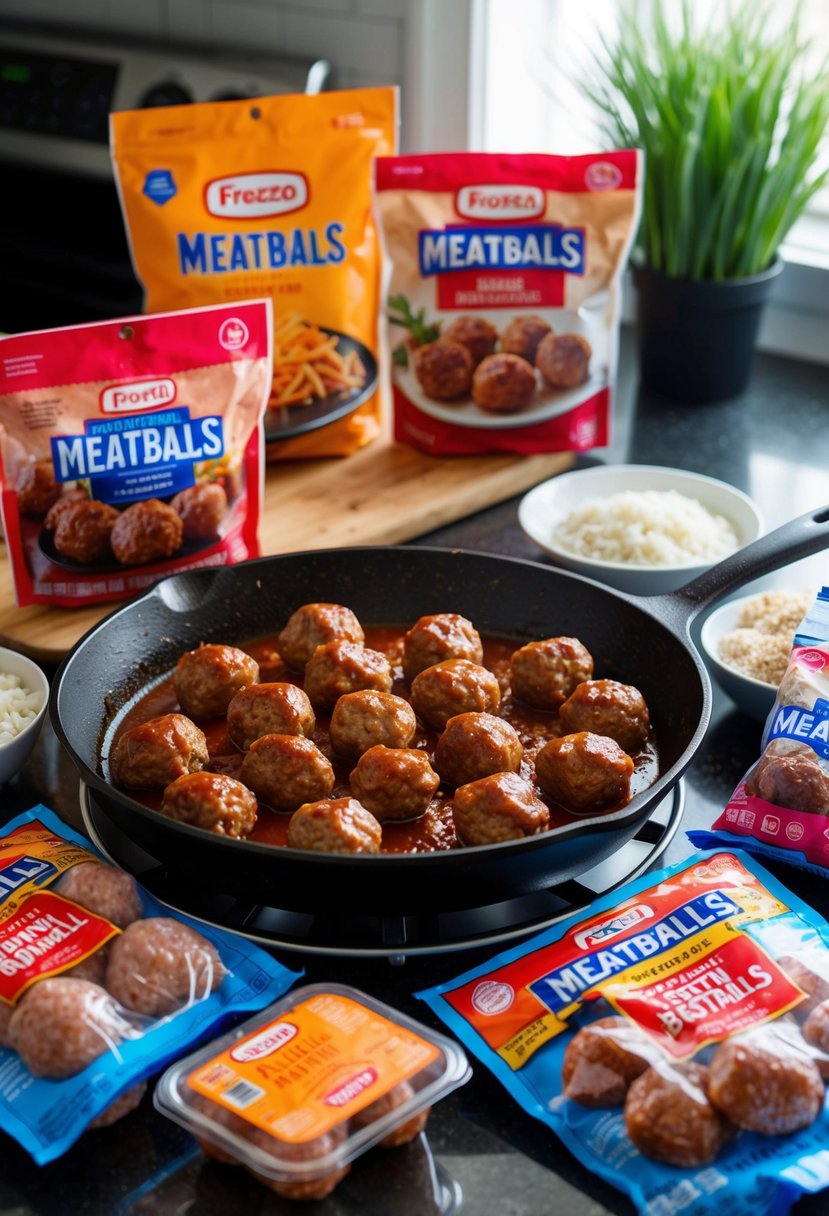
[641,641]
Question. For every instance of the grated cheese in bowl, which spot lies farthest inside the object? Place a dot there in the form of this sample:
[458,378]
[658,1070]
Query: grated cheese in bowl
[19,707]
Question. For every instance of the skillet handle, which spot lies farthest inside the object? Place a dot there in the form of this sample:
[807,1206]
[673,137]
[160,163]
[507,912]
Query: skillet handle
[798,538]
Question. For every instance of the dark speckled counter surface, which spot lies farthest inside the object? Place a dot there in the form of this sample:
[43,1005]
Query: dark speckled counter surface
[482,1155]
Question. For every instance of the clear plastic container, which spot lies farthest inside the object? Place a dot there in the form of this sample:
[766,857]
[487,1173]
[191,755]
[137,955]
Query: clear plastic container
[297,1092]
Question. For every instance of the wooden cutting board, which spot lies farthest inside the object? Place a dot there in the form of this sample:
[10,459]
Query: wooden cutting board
[385,494]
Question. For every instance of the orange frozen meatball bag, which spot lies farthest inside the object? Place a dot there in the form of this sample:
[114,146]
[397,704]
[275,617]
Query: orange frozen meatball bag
[271,197]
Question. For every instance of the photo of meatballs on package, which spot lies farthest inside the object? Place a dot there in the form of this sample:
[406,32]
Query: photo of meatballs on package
[100,985]
[131,449]
[676,1039]
[780,809]
[503,296]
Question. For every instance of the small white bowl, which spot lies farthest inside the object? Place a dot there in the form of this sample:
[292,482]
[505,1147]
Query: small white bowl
[752,696]
[15,753]
[545,506]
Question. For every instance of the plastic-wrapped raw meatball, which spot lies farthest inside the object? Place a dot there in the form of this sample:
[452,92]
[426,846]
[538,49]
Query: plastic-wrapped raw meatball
[601,1060]
[544,674]
[104,890]
[669,1117]
[286,770]
[443,369]
[584,772]
[764,1088]
[810,971]
[455,686]
[433,639]
[146,532]
[364,718]
[313,625]
[393,1100]
[475,333]
[83,530]
[120,1107]
[501,807]
[60,1025]
[816,1029]
[475,745]
[208,678]
[564,359]
[154,753]
[394,782]
[523,335]
[36,488]
[503,384]
[212,801]
[334,825]
[203,508]
[797,781]
[341,667]
[92,968]
[269,709]
[606,707]
[159,964]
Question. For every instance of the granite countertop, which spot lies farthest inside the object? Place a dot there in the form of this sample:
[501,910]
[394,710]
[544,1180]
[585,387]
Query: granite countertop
[481,1153]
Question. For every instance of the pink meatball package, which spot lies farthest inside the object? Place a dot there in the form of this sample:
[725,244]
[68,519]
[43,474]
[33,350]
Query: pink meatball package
[131,449]
[675,1037]
[100,985]
[780,809]
[503,277]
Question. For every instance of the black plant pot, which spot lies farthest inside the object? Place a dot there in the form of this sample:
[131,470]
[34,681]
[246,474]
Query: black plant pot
[696,337]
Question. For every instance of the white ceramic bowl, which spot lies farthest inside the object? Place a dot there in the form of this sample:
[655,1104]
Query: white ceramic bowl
[545,506]
[753,697]
[15,753]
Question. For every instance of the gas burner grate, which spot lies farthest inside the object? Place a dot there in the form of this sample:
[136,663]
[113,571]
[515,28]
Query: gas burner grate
[390,936]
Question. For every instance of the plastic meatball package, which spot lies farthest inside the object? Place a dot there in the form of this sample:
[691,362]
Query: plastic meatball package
[299,1091]
[780,809]
[101,986]
[675,1038]
[132,449]
[503,296]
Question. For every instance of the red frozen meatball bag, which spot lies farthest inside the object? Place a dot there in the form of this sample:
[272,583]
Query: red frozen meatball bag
[672,1037]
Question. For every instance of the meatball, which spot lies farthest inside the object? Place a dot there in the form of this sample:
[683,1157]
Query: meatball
[159,964]
[455,686]
[432,639]
[522,336]
[797,781]
[475,745]
[383,1106]
[6,1012]
[544,674]
[601,1060]
[286,770]
[362,719]
[503,384]
[340,667]
[146,532]
[607,707]
[669,1117]
[500,807]
[116,1110]
[584,771]
[202,508]
[268,709]
[208,678]
[394,782]
[475,333]
[763,1089]
[443,369]
[212,801]
[67,500]
[154,753]
[313,625]
[61,1025]
[104,890]
[334,825]
[83,530]
[36,487]
[92,968]
[810,971]
[816,1027]
[563,359]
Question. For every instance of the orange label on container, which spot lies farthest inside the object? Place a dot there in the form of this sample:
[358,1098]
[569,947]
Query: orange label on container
[309,1070]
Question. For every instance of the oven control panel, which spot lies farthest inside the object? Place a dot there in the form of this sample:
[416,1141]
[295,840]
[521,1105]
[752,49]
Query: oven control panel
[56,92]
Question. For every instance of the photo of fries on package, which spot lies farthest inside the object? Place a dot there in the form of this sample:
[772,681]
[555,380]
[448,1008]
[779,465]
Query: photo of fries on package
[271,197]
[132,449]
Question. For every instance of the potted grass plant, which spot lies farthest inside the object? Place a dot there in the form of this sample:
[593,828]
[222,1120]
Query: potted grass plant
[732,124]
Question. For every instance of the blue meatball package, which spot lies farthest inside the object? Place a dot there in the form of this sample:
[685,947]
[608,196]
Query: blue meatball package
[101,986]
[675,1038]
